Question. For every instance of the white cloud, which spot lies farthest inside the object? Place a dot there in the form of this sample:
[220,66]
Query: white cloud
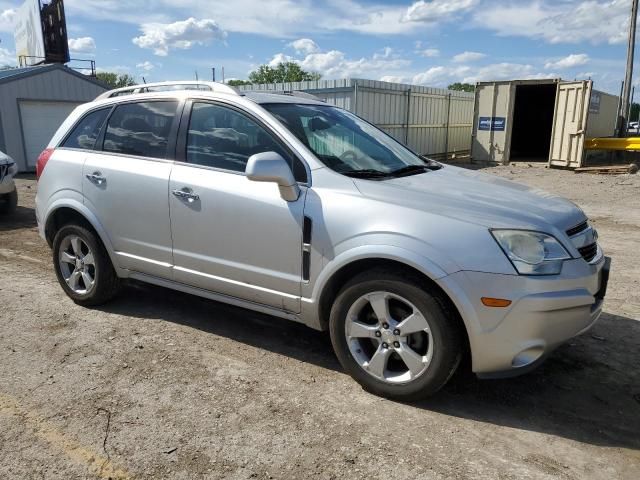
[279,58]
[82,45]
[7,19]
[437,10]
[441,76]
[466,57]
[574,60]
[147,66]
[304,45]
[162,37]
[429,52]
[336,64]
[558,21]
[7,57]
[393,78]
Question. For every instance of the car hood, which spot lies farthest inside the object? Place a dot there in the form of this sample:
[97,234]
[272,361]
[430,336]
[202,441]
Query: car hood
[5,159]
[476,197]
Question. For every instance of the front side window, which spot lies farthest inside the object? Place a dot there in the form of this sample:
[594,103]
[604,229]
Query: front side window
[346,143]
[140,129]
[222,137]
[86,132]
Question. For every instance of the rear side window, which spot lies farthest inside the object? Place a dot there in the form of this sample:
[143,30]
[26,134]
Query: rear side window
[86,132]
[140,129]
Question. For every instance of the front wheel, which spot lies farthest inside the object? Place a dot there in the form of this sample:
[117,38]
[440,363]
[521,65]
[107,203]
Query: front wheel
[394,336]
[9,202]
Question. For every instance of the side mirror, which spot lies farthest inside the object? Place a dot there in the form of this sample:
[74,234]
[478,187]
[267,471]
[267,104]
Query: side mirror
[271,167]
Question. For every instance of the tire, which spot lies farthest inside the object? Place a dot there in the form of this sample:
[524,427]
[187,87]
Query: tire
[434,356]
[9,202]
[105,283]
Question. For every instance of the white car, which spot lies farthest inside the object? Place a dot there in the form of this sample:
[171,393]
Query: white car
[8,192]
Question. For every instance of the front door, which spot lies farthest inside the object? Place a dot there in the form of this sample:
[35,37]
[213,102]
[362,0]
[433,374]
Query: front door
[231,235]
[126,184]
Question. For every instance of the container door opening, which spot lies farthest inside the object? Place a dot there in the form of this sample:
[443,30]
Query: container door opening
[532,122]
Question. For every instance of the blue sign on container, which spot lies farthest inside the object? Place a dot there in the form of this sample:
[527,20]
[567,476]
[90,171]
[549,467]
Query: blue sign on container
[495,124]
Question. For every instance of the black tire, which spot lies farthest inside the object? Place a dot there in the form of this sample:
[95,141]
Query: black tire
[9,202]
[106,284]
[444,325]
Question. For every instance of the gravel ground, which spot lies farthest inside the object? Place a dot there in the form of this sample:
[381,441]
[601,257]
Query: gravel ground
[159,384]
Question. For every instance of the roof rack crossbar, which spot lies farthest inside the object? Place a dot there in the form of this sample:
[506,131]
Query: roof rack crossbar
[168,86]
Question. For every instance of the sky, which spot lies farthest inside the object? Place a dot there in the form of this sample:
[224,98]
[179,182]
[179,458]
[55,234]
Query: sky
[426,42]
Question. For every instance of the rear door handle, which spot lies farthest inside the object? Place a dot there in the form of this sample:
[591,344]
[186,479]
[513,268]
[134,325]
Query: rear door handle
[186,194]
[96,177]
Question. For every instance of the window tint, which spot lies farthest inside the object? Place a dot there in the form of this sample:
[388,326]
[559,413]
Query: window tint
[85,133]
[140,129]
[221,137]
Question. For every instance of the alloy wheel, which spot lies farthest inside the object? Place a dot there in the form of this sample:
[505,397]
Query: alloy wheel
[389,337]
[77,264]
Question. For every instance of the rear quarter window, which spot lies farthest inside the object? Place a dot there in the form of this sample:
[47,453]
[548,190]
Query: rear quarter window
[85,133]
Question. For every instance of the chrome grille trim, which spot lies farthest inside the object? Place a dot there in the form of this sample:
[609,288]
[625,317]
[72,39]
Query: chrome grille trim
[581,227]
[585,239]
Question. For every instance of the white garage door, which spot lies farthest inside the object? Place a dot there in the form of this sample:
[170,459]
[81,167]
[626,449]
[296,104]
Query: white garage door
[40,120]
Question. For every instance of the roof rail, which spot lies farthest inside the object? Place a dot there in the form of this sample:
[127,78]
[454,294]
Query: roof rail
[170,86]
[291,93]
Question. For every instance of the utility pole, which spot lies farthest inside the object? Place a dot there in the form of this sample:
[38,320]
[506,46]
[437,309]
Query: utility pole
[628,78]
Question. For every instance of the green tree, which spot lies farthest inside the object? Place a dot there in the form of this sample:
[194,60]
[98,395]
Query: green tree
[236,83]
[114,80]
[283,72]
[462,87]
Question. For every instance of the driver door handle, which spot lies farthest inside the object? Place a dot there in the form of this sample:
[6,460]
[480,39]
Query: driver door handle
[186,194]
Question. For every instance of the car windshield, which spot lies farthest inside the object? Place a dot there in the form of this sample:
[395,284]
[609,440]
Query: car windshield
[348,144]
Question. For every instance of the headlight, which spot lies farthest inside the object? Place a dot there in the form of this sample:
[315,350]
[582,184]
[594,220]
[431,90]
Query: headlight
[13,168]
[532,253]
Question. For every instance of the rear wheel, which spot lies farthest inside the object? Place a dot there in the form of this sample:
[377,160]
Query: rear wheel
[394,336]
[9,202]
[83,267]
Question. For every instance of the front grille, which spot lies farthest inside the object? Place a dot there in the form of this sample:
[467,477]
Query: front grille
[589,252]
[3,171]
[577,229]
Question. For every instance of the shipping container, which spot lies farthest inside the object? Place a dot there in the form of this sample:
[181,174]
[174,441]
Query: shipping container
[430,121]
[539,120]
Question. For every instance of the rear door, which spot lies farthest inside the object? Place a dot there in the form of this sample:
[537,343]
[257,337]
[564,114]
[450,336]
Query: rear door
[126,183]
[570,123]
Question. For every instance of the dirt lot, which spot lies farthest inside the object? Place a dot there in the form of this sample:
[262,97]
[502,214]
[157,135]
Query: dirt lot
[159,384]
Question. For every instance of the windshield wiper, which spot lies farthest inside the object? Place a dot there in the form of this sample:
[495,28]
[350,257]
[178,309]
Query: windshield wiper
[410,170]
[365,173]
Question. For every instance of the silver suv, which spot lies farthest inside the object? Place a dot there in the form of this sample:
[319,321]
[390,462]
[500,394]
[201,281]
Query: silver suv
[286,205]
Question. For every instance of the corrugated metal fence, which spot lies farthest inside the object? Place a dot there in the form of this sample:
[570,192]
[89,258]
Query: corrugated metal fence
[431,121]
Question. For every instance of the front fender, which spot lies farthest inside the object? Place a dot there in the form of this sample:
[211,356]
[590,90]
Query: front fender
[310,305]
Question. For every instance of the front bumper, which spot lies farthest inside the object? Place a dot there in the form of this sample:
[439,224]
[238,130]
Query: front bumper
[546,311]
[7,185]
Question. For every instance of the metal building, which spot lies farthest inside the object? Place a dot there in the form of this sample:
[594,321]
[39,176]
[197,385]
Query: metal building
[431,121]
[34,101]
[539,120]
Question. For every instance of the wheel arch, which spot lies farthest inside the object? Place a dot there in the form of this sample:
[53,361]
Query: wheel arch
[332,286]
[63,214]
